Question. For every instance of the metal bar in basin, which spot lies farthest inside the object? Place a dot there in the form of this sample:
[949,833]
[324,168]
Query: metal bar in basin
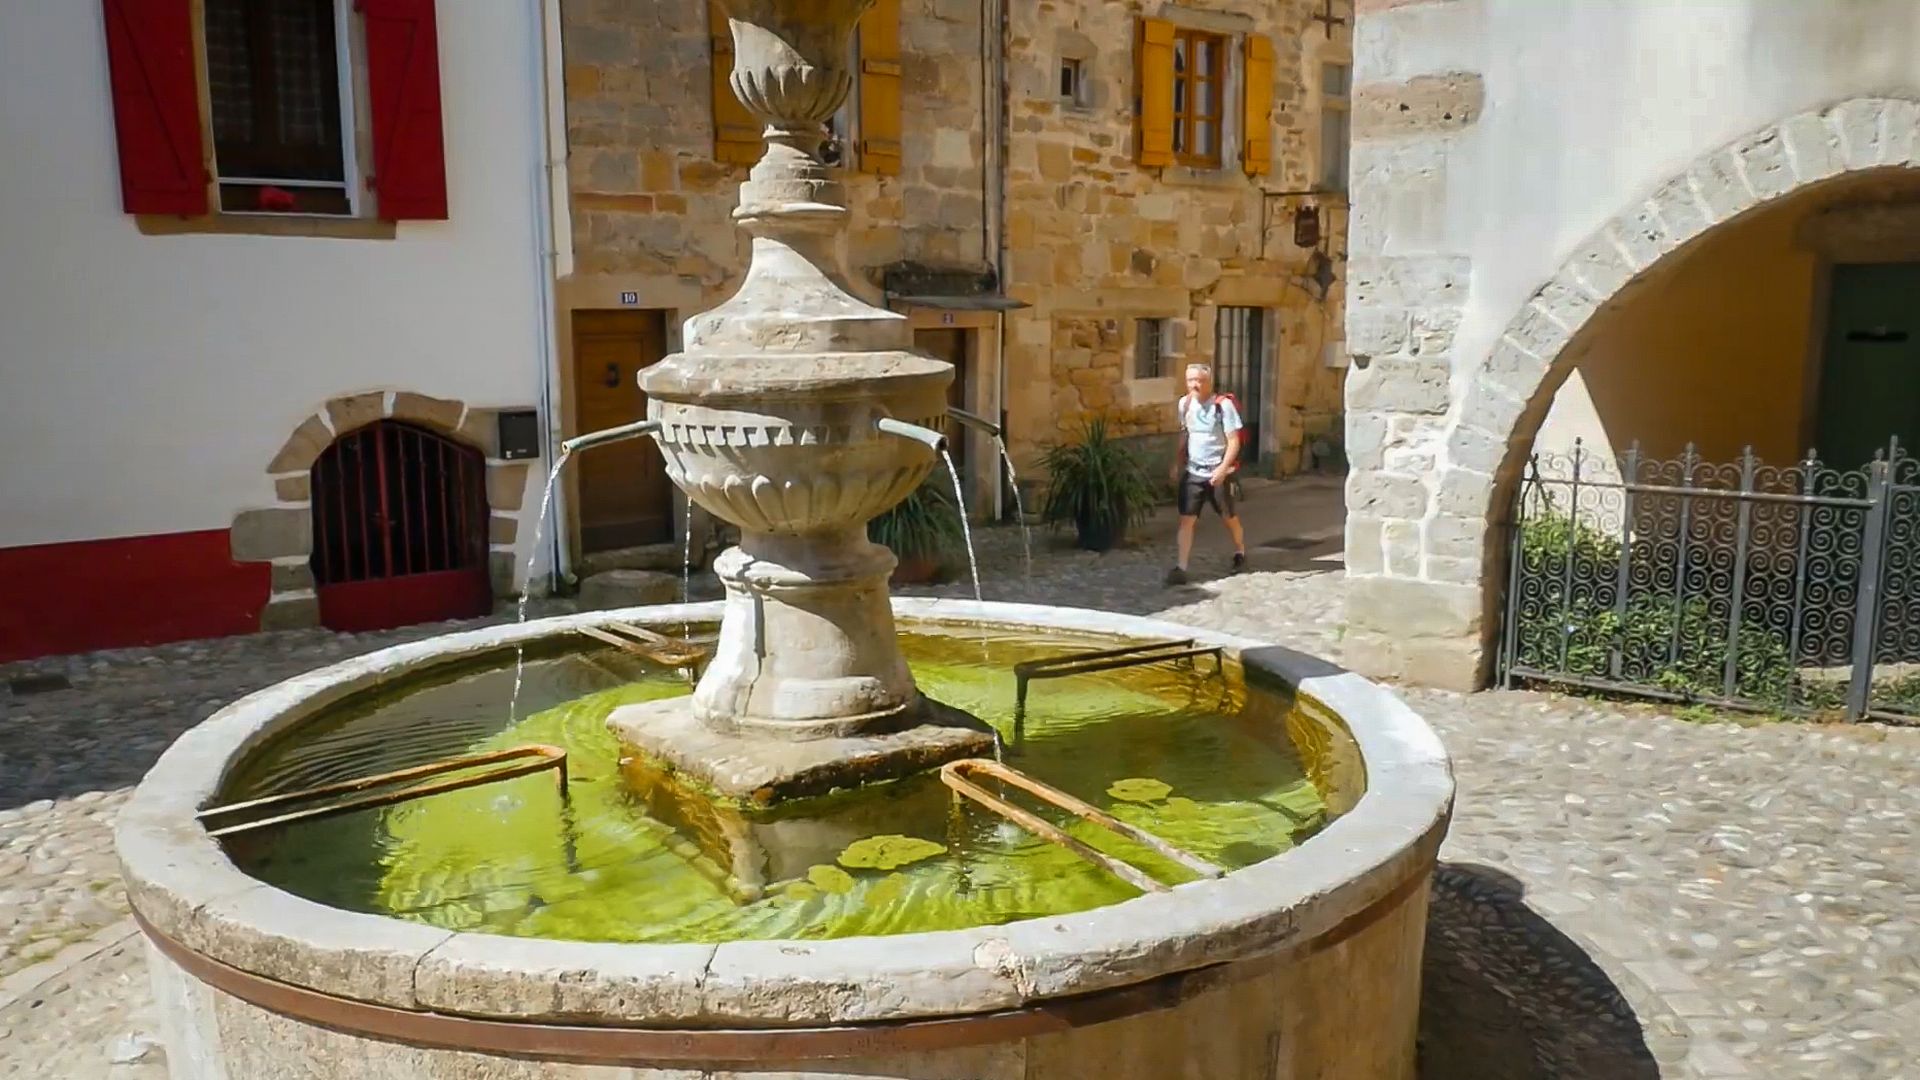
[1090,663]
[1084,810]
[1047,831]
[1099,654]
[671,652]
[549,757]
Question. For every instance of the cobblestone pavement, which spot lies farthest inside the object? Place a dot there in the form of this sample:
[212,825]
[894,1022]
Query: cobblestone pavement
[1623,893]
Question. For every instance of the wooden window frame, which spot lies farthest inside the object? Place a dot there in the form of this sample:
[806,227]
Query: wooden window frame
[346,123]
[1074,70]
[1187,103]
[1334,169]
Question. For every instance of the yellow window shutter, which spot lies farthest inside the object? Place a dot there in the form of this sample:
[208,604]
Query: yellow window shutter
[1256,152]
[880,89]
[736,134]
[1154,82]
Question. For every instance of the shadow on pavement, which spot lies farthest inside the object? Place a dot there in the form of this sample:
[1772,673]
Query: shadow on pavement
[1506,996]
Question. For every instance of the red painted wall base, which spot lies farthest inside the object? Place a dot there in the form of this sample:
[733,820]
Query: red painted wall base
[141,590]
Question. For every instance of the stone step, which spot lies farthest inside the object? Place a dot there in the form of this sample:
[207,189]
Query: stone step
[627,588]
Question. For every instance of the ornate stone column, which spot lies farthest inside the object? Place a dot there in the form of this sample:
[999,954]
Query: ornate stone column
[768,420]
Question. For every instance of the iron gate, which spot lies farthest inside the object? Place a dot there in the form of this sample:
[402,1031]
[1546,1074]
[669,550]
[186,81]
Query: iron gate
[1792,589]
[399,529]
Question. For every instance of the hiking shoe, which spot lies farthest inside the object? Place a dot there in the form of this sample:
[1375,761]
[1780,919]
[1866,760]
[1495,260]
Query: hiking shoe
[1239,562]
[1176,576]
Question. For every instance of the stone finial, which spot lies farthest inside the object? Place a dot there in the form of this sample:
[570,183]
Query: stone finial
[790,70]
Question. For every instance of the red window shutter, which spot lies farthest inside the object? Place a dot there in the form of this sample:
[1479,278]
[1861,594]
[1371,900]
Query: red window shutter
[156,106]
[403,83]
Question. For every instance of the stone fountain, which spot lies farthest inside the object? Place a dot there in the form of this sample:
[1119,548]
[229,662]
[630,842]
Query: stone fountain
[798,412]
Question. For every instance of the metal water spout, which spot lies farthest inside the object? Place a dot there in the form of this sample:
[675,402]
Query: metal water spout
[915,432]
[610,435]
[975,421]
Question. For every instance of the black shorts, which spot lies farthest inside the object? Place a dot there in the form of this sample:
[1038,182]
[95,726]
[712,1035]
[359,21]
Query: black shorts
[1197,491]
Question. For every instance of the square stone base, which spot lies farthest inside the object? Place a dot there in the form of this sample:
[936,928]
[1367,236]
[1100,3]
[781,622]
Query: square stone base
[760,770]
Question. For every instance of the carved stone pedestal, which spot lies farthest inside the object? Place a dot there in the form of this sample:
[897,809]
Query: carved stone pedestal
[768,420]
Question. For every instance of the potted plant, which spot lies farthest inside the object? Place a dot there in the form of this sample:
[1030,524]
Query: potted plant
[923,531]
[1097,483]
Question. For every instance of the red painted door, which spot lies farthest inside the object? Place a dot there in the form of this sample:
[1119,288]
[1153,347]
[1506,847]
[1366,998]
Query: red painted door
[399,529]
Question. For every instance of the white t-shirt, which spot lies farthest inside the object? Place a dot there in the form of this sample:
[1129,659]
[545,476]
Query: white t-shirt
[1209,425]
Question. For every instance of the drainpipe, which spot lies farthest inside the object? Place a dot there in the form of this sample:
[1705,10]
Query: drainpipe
[553,241]
[993,180]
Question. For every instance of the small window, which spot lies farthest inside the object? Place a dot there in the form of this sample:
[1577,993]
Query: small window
[273,78]
[1149,348]
[1073,81]
[1336,111]
[1199,75]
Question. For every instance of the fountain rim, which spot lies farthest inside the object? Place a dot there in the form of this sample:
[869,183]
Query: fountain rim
[192,900]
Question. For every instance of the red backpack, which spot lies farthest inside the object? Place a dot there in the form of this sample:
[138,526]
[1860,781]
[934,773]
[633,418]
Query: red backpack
[1231,400]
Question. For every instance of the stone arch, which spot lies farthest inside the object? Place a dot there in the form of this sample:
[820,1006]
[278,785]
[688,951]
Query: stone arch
[281,535]
[1433,617]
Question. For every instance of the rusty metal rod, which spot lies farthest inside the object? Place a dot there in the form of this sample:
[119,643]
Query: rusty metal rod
[1099,654]
[665,644]
[550,757]
[1047,831]
[670,652]
[1050,794]
[1105,660]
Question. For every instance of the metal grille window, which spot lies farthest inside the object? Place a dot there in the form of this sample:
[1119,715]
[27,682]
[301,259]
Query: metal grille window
[273,79]
[391,500]
[1149,348]
[1239,352]
[1336,114]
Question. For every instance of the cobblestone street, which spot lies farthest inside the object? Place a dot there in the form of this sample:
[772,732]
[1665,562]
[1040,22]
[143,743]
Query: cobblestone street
[1624,893]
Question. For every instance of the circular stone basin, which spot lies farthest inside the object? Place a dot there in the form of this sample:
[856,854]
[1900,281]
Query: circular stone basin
[635,928]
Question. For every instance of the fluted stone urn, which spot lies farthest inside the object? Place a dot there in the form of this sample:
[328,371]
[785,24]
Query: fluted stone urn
[770,419]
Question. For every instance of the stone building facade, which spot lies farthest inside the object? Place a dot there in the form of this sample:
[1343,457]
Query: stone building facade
[1522,178]
[1108,242]
[996,144]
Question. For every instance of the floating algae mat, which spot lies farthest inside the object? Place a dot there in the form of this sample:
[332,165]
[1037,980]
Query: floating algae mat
[628,855]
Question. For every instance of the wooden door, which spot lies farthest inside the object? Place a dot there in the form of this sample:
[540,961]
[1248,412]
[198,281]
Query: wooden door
[625,498]
[951,346]
[1870,373]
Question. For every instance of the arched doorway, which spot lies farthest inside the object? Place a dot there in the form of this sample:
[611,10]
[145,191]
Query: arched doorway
[1439,446]
[400,526]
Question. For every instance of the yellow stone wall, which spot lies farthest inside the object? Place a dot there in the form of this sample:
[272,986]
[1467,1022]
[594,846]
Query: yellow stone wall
[648,197]
[1093,240]
[1097,241]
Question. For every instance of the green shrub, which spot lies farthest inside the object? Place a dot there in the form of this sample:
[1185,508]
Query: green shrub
[1677,647]
[1099,484]
[925,525]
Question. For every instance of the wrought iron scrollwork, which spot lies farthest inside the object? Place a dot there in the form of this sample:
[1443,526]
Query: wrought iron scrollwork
[1792,588]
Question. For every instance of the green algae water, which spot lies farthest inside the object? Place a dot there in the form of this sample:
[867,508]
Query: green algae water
[627,855]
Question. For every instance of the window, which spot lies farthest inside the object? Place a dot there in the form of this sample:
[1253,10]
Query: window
[1336,111]
[1073,81]
[274,84]
[273,100]
[1199,72]
[1149,348]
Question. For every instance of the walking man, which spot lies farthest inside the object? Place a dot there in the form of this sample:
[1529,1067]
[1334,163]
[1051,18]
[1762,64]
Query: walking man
[1208,449]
